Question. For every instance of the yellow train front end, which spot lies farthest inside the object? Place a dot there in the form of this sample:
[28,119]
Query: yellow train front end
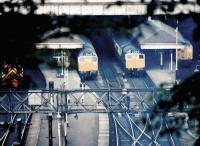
[88,66]
[185,56]
[186,53]
[135,63]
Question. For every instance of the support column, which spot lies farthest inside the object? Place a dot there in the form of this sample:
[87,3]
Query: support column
[66,125]
[109,100]
[161,59]
[186,120]
[50,129]
[82,85]
[62,63]
[171,62]
[52,99]
[60,142]
[176,59]
[176,46]
[124,77]
[56,101]
[19,130]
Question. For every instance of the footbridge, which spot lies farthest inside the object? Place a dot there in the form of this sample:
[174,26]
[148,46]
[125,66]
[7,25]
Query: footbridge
[108,7]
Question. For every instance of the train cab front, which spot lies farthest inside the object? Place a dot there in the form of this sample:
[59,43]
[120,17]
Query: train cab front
[135,63]
[88,66]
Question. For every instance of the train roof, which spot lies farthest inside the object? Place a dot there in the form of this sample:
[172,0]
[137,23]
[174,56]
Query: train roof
[86,42]
[125,43]
[156,34]
[87,46]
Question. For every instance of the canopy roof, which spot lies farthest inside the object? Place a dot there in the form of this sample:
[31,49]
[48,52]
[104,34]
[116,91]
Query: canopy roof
[154,34]
[51,42]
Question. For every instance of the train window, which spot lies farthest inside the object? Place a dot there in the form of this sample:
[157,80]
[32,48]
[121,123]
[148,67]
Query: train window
[94,59]
[141,56]
[81,59]
[129,56]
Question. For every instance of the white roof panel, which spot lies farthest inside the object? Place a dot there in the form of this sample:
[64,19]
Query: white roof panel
[60,43]
[155,34]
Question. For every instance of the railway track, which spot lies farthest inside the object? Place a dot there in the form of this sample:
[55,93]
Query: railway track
[129,129]
[143,136]
[124,134]
[172,139]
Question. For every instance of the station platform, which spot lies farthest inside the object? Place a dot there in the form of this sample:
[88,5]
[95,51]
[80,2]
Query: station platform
[34,130]
[162,76]
[165,76]
[96,127]
[103,138]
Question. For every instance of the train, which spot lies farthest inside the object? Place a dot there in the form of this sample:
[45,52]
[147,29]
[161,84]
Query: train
[130,55]
[185,55]
[87,60]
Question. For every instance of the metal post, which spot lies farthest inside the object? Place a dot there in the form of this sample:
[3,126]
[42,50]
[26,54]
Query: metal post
[67,72]
[66,125]
[109,101]
[161,59]
[124,95]
[176,46]
[59,129]
[171,64]
[124,77]
[50,129]
[51,100]
[19,130]
[62,63]
[176,59]
[9,101]
[128,101]
[56,101]
[51,87]
[186,121]
[82,93]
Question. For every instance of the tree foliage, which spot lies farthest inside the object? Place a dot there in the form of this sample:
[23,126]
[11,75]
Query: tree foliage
[183,98]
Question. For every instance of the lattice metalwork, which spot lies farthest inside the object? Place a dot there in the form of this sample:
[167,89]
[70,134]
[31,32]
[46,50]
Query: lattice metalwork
[70,101]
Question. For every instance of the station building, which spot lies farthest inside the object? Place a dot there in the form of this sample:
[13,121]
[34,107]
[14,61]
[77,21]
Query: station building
[163,45]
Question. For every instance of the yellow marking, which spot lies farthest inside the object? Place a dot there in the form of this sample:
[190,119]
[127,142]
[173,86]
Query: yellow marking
[135,63]
[185,54]
[88,66]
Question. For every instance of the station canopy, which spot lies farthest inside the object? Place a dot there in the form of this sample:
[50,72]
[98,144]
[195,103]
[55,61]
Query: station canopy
[154,34]
[69,42]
